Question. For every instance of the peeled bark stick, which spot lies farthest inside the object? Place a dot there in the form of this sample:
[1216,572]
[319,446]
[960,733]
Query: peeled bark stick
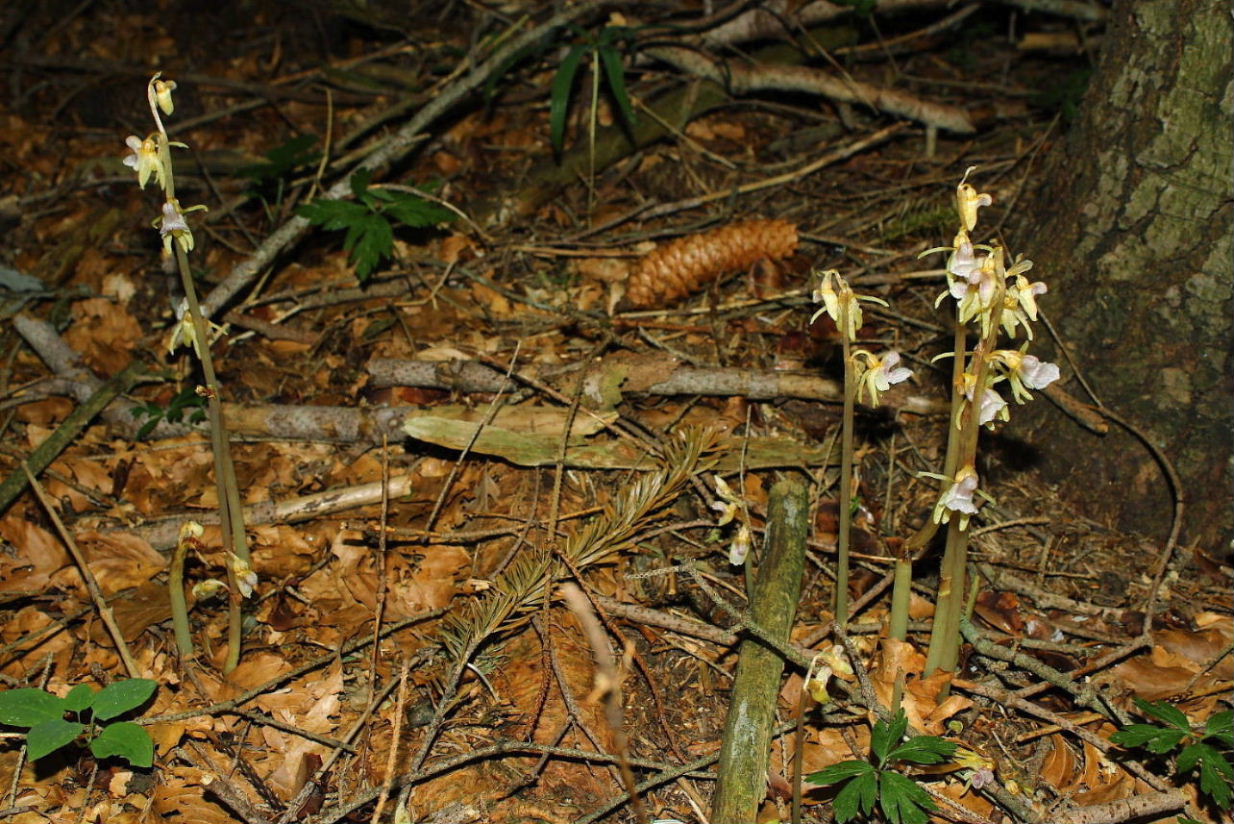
[742,783]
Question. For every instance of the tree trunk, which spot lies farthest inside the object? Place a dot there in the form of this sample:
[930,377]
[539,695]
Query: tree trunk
[1132,231]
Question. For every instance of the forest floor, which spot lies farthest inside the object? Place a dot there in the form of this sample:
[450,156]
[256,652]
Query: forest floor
[539,385]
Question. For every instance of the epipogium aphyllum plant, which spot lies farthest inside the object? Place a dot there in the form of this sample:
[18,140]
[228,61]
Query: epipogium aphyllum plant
[151,158]
[991,300]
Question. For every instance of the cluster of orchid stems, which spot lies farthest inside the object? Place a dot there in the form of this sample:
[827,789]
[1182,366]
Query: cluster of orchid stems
[992,301]
[150,157]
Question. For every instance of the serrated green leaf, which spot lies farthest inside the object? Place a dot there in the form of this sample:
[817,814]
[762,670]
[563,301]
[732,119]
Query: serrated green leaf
[79,698]
[1214,784]
[333,214]
[1188,758]
[125,740]
[559,95]
[902,801]
[359,185]
[1165,740]
[49,736]
[369,243]
[857,797]
[615,74]
[1221,726]
[26,707]
[923,749]
[1165,712]
[122,696]
[836,773]
[417,212]
[888,735]
[1135,735]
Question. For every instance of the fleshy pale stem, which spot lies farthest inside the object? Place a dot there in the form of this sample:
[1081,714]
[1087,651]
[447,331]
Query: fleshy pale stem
[846,470]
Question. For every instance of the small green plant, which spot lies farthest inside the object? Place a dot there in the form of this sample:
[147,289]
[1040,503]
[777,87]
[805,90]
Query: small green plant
[186,399]
[1195,748]
[900,798]
[606,62]
[43,716]
[367,219]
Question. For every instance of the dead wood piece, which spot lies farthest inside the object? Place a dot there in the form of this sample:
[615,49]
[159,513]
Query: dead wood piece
[743,79]
[742,783]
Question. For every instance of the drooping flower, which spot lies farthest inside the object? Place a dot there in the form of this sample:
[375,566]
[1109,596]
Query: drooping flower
[880,373]
[1020,302]
[958,498]
[840,303]
[162,95]
[145,159]
[246,578]
[968,201]
[729,504]
[1025,371]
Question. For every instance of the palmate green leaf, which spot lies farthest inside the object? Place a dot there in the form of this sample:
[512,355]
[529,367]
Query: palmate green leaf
[1221,727]
[121,696]
[1136,735]
[27,707]
[839,772]
[370,241]
[416,212]
[857,797]
[886,736]
[923,749]
[902,801]
[333,214]
[1214,782]
[49,736]
[1164,741]
[125,740]
[559,95]
[1166,713]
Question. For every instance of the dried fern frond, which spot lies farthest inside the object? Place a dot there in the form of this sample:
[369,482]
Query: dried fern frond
[521,589]
[689,263]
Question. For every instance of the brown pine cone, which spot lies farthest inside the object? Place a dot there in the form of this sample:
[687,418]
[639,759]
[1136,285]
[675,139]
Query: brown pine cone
[689,263]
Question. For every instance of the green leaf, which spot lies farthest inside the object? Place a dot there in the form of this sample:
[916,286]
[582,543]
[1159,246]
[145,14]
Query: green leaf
[369,242]
[1137,735]
[283,159]
[856,797]
[50,736]
[1165,712]
[839,772]
[359,186]
[615,74]
[1215,785]
[79,698]
[1221,727]
[122,696]
[1165,740]
[27,706]
[125,740]
[886,736]
[903,802]
[559,95]
[923,749]
[417,212]
[333,214]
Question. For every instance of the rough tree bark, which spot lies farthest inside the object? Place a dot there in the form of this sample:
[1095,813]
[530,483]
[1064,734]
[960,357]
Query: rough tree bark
[1132,230]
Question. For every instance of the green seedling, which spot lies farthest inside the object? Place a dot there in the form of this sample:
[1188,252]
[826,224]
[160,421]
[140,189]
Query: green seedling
[606,62]
[901,799]
[185,400]
[1205,748]
[367,220]
[48,729]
